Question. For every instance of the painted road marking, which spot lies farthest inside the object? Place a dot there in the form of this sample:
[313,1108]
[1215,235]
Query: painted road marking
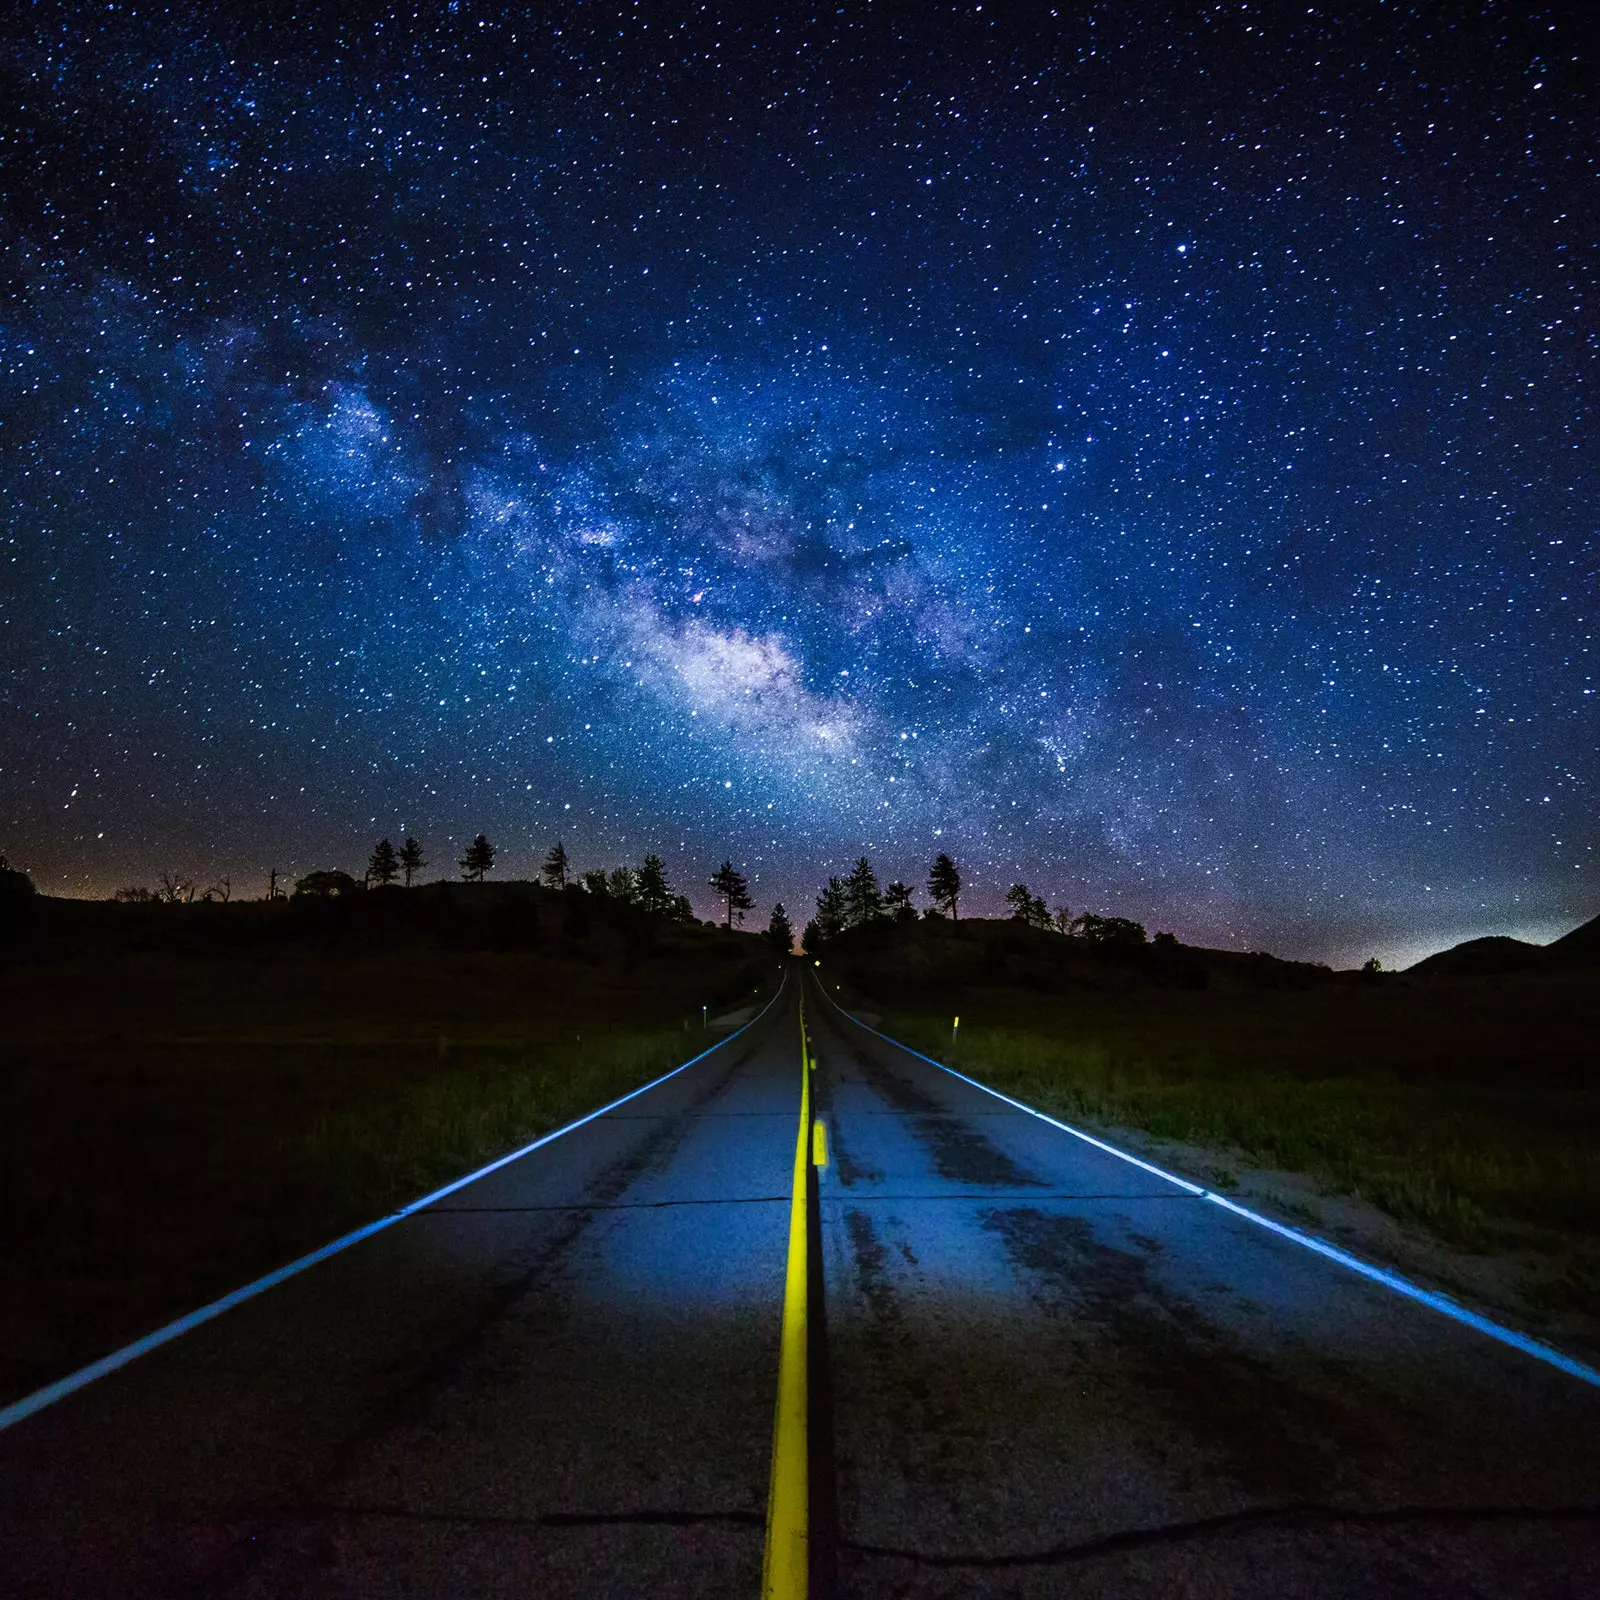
[819,1144]
[786,1565]
[1390,1280]
[62,1387]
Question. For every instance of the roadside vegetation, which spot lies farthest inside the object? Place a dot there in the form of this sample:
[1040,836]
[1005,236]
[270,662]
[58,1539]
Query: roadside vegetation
[194,1093]
[1463,1104]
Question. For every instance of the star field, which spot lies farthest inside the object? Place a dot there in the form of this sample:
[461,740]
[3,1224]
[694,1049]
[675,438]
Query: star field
[1146,455]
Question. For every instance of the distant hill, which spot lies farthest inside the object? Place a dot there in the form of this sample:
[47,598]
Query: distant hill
[1482,957]
[1494,954]
[1581,946]
[932,956]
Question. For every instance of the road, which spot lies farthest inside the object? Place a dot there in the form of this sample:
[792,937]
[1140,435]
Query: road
[1046,1371]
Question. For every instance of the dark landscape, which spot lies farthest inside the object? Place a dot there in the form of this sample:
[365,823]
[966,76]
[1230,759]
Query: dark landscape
[191,1094]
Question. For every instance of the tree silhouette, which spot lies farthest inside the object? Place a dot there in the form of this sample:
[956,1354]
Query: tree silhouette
[411,862]
[554,870]
[478,859]
[863,901]
[1109,932]
[384,864]
[731,885]
[650,890]
[1027,907]
[944,884]
[780,931]
[897,902]
[830,920]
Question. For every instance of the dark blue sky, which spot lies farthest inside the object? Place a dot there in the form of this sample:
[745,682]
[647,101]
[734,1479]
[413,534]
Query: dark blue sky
[1150,457]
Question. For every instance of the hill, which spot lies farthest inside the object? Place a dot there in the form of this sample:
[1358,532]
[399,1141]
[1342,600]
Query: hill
[1498,954]
[935,957]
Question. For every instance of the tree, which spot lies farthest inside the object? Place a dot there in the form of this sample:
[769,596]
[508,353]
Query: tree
[780,931]
[174,890]
[944,884]
[811,941]
[731,885]
[863,901]
[1027,907]
[594,881]
[554,870]
[1114,933]
[383,866]
[831,909]
[478,859]
[221,891]
[1063,919]
[623,884]
[411,862]
[651,892]
[897,902]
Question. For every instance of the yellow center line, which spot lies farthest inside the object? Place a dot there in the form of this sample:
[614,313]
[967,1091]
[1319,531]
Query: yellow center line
[786,1568]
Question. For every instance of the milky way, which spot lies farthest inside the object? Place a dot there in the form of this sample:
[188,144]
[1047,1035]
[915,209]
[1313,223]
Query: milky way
[1150,458]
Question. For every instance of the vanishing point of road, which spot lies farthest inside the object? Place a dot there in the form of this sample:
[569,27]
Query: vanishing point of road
[1037,1369]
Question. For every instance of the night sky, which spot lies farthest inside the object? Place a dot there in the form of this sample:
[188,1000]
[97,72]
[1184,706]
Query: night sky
[1149,456]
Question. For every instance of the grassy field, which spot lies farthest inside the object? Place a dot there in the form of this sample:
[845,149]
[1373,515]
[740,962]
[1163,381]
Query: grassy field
[174,1121]
[1468,1108]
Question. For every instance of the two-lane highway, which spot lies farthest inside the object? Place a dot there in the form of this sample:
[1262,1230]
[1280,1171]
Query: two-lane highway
[1047,1371]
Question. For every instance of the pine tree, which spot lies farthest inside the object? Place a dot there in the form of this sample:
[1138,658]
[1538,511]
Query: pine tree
[1027,907]
[863,900]
[411,862]
[554,871]
[780,931]
[897,902]
[478,859]
[1019,897]
[650,890]
[944,884]
[383,866]
[830,918]
[733,888]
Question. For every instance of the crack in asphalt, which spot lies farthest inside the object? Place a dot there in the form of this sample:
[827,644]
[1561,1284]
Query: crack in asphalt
[411,1400]
[1291,1514]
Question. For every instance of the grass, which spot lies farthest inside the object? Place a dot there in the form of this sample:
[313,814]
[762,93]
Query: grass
[1474,1115]
[172,1125]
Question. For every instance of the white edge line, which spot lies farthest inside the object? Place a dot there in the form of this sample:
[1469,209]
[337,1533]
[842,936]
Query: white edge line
[62,1387]
[1390,1280]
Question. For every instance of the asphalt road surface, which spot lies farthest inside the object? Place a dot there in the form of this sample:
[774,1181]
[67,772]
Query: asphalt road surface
[1046,1371]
